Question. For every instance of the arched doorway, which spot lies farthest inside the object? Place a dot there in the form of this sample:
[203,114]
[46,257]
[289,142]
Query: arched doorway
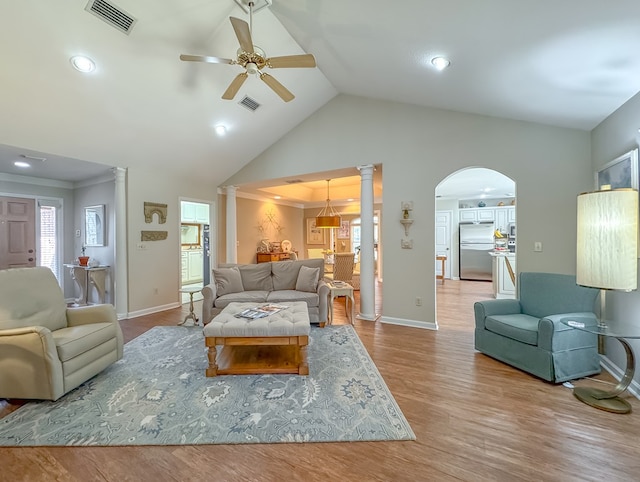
[474,207]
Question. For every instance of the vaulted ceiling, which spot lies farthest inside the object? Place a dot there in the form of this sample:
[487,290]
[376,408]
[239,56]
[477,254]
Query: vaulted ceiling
[569,64]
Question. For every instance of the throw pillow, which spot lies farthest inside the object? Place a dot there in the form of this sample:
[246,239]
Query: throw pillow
[308,279]
[227,281]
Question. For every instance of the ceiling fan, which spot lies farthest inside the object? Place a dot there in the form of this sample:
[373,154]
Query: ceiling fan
[253,59]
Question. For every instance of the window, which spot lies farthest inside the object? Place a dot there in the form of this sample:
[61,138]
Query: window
[356,237]
[49,242]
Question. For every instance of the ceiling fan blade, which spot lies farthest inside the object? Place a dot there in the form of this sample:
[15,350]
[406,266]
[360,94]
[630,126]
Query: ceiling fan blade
[289,61]
[205,58]
[243,33]
[277,87]
[234,87]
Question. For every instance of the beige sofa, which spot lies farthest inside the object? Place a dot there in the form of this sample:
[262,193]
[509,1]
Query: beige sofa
[47,349]
[274,282]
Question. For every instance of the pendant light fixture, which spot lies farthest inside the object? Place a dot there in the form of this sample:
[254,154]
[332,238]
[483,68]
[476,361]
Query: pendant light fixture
[328,218]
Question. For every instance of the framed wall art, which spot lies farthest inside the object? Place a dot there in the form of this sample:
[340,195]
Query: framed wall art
[315,235]
[619,173]
[343,230]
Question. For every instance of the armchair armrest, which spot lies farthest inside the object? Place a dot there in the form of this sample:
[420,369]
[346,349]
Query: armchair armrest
[551,326]
[29,364]
[85,315]
[209,297]
[323,300]
[485,308]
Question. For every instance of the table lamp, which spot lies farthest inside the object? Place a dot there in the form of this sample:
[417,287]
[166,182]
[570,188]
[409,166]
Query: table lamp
[607,258]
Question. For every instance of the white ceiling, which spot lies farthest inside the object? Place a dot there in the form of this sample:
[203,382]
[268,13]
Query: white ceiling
[569,63]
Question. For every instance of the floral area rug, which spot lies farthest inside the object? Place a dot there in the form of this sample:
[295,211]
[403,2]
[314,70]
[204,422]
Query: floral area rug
[158,395]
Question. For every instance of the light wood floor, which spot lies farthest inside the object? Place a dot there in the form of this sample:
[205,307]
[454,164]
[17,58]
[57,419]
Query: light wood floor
[475,419]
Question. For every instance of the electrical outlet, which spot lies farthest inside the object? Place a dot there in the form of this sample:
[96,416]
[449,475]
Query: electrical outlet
[141,246]
[418,301]
[77,233]
[537,246]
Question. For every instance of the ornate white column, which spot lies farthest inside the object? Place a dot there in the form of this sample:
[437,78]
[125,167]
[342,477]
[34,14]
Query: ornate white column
[367,282]
[232,222]
[121,288]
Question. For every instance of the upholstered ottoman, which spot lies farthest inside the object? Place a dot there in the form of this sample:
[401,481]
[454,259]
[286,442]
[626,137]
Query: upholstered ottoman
[274,344]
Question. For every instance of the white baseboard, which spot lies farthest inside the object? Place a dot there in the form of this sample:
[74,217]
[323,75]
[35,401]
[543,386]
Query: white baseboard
[425,325]
[154,309]
[617,373]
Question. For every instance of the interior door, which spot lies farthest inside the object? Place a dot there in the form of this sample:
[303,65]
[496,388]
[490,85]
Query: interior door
[443,241]
[17,232]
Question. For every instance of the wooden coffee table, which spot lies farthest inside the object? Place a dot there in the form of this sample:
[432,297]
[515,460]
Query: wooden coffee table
[274,344]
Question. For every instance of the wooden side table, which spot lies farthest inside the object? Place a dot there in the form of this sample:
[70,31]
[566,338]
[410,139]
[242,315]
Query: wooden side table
[442,259]
[191,315]
[346,290]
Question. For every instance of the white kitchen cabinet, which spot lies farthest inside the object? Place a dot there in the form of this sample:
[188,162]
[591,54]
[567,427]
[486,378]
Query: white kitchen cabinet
[511,210]
[202,213]
[503,285]
[468,215]
[502,218]
[195,265]
[486,214]
[185,267]
[188,212]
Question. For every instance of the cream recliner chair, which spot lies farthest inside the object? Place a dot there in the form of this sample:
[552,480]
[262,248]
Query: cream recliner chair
[47,349]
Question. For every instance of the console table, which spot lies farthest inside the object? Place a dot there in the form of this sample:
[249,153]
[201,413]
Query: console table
[85,276]
[268,257]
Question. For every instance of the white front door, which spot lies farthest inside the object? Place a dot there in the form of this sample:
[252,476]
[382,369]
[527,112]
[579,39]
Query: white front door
[443,241]
[17,232]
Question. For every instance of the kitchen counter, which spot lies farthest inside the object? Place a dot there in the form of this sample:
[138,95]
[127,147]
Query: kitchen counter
[504,274]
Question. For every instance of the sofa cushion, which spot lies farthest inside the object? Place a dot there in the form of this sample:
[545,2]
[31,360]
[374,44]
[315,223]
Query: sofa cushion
[308,279]
[227,281]
[241,297]
[520,327]
[285,275]
[284,296]
[256,277]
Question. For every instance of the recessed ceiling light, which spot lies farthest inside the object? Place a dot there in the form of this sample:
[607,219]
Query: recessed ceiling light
[21,164]
[440,63]
[83,64]
[277,197]
[220,129]
[350,199]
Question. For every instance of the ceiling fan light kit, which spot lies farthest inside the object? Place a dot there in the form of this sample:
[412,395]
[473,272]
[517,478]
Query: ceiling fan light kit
[253,58]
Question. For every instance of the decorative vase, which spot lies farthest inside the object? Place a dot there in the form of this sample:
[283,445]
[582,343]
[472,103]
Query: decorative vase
[482,204]
[83,260]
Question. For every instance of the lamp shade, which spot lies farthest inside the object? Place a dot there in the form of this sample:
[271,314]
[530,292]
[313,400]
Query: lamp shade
[607,247]
[328,218]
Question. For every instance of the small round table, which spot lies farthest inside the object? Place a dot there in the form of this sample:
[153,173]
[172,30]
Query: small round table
[191,315]
[602,399]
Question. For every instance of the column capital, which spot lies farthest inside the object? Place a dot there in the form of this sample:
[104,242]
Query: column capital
[230,189]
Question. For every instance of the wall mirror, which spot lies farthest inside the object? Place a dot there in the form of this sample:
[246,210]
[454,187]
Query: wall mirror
[190,234]
[94,225]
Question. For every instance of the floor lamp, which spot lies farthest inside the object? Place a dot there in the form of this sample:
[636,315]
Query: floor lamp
[607,258]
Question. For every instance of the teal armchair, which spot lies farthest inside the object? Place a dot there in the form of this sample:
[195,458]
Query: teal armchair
[529,333]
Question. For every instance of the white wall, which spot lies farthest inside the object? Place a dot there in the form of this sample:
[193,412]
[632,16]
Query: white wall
[418,148]
[154,272]
[613,137]
[92,194]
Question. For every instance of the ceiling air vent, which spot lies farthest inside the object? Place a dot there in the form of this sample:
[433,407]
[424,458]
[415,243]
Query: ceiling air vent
[114,16]
[249,103]
[293,181]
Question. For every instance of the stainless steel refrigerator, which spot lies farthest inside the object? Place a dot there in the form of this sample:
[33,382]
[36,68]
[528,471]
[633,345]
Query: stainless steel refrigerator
[476,241]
